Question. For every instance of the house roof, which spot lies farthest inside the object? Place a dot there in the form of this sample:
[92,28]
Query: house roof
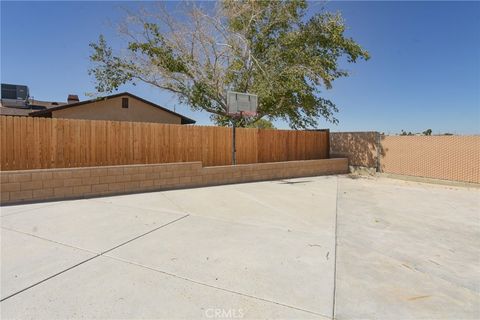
[33,106]
[10,111]
[46,104]
[184,120]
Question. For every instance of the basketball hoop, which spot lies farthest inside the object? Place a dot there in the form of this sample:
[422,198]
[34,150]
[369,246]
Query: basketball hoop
[240,105]
[243,114]
[248,114]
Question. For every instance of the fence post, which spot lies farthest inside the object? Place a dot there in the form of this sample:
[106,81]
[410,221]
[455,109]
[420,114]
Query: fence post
[234,148]
[328,143]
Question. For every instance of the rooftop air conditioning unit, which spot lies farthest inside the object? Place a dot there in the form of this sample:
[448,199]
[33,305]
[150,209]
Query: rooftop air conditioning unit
[15,96]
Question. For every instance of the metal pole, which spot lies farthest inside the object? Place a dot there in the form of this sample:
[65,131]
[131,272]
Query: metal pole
[234,148]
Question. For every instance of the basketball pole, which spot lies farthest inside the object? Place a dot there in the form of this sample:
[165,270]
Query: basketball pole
[234,140]
[234,147]
[237,103]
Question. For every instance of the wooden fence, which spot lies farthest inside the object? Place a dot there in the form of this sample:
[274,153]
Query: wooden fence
[33,143]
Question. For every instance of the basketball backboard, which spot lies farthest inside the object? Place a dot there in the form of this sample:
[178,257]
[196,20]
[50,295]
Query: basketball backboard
[242,103]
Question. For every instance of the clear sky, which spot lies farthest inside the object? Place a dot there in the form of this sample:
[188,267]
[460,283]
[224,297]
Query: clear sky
[424,71]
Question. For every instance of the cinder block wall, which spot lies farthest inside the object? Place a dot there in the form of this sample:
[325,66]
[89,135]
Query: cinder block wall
[57,184]
[361,148]
[455,158]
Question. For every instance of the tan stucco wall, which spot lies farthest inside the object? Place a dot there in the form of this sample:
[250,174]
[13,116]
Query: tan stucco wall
[111,109]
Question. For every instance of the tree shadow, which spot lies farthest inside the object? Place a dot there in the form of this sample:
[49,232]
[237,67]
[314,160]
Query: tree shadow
[363,149]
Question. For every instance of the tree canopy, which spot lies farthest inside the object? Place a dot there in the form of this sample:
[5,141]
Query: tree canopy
[261,124]
[264,47]
[427,132]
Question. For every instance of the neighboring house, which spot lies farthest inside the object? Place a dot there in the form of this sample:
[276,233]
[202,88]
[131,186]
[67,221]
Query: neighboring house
[13,111]
[16,101]
[34,105]
[125,106]
[120,107]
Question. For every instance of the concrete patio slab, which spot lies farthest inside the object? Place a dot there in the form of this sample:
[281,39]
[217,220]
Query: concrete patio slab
[253,260]
[407,251]
[287,206]
[156,201]
[108,289]
[87,224]
[9,210]
[27,260]
[404,250]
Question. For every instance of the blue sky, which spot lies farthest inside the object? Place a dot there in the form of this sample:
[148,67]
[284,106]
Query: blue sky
[424,71]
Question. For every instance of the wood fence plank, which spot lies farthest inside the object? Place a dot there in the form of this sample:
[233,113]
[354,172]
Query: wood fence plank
[3,156]
[28,143]
[37,140]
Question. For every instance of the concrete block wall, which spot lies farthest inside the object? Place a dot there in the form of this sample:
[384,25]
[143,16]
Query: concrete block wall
[452,158]
[70,183]
[361,148]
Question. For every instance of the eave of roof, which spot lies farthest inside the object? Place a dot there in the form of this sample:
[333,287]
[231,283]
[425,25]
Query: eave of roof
[8,111]
[46,104]
[185,120]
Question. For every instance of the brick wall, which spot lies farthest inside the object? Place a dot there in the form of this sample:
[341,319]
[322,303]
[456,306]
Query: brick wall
[56,184]
[454,158]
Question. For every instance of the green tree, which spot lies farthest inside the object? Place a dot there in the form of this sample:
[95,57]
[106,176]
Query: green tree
[405,133]
[261,124]
[264,47]
[427,132]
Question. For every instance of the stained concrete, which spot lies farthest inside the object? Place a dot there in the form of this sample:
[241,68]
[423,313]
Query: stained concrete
[407,250]
[404,250]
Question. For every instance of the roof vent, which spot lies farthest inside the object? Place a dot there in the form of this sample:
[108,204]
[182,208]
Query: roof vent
[73,98]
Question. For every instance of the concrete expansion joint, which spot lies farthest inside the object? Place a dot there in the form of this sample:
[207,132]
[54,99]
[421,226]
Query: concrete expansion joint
[49,240]
[86,260]
[215,287]
[176,204]
[143,234]
[106,255]
[30,209]
[335,255]
[99,200]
